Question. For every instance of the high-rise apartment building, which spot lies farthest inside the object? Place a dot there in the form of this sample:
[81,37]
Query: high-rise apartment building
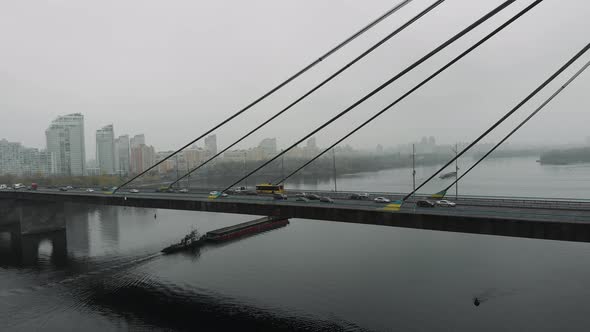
[122,155]
[137,140]
[65,142]
[16,159]
[142,158]
[105,149]
[268,147]
[10,161]
[211,144]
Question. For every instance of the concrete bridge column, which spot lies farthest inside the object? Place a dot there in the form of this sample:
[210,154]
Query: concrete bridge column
[29,223]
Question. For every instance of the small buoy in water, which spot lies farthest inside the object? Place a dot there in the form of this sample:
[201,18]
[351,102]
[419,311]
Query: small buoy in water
[476,302]
[155,216]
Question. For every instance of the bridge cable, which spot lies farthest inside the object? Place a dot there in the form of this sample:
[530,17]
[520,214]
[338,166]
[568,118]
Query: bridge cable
[371,49]
[531,95]
[557,92]
[469,50]
[382,86]
[276,88]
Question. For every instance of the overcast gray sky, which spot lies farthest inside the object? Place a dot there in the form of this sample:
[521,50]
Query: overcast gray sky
[173,69]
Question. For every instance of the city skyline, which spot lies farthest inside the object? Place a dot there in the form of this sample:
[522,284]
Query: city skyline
[164,93]
[125,154]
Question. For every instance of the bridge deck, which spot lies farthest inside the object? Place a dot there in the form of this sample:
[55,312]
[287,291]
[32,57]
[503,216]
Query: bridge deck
[557,220]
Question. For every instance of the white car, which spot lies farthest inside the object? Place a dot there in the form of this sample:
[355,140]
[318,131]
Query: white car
[444,202]
[217,193]
[183,190]
[3,187]
[381,200]
[134,191]
[89,190]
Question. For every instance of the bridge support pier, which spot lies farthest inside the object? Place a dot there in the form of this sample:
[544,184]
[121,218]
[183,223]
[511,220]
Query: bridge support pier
[28,224]
[32,216]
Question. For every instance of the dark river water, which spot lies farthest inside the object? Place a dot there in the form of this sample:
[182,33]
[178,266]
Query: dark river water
[105,273]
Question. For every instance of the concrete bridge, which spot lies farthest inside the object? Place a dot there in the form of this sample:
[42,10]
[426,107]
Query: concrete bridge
[566,220]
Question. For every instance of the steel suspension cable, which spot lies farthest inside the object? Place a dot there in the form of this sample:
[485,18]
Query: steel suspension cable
[276,88]
[382,86]
[338,72]
[557,92]
[531,95]
[469,50]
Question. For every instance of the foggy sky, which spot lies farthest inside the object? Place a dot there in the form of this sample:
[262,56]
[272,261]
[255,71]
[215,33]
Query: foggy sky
[173,69]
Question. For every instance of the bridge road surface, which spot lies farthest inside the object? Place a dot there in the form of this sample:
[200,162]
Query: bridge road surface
[559,220]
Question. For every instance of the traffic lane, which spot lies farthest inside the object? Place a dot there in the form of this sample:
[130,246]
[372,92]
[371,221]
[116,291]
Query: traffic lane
[366,203]
[504,212]
[459,210]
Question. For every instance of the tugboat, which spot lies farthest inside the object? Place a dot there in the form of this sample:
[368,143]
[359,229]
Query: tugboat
[191,240]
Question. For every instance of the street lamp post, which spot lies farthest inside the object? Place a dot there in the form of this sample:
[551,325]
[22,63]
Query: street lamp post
[456,172]
[177,173]
[414,167]
[245,172]
[283,168]
[334,167]
[188,171]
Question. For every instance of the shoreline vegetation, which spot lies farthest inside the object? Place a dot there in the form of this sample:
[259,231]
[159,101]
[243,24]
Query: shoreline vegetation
[566,156]
[223,173]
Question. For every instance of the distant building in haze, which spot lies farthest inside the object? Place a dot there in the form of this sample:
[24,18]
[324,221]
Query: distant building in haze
[211,144]
[105,149]
[142,156]
[137,140]
[122,155]
[268,147]
[65,142]
[16,159]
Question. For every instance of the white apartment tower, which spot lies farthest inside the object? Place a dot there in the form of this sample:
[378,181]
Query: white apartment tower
[122,155]
[65,142]
[211,144]
[105,149]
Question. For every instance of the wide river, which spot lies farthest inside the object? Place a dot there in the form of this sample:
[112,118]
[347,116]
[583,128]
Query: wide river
[105,272]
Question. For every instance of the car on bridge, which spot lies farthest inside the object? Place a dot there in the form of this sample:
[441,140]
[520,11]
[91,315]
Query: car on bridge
[279,197]
[362,196]
[312,197]
[63,188]
[164,190]
[3,187]
[425,203]
[381,200]
[183,190]
[300,194]
[302,199]
[215,194]
[89,190]
[134,191]
[446,203]
[326,199]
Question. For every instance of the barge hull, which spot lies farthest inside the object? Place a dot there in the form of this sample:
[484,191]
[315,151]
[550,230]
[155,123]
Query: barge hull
[247,228]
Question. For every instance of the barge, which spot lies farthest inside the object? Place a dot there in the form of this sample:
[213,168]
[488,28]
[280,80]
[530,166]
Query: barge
[251,227]
[194,239]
